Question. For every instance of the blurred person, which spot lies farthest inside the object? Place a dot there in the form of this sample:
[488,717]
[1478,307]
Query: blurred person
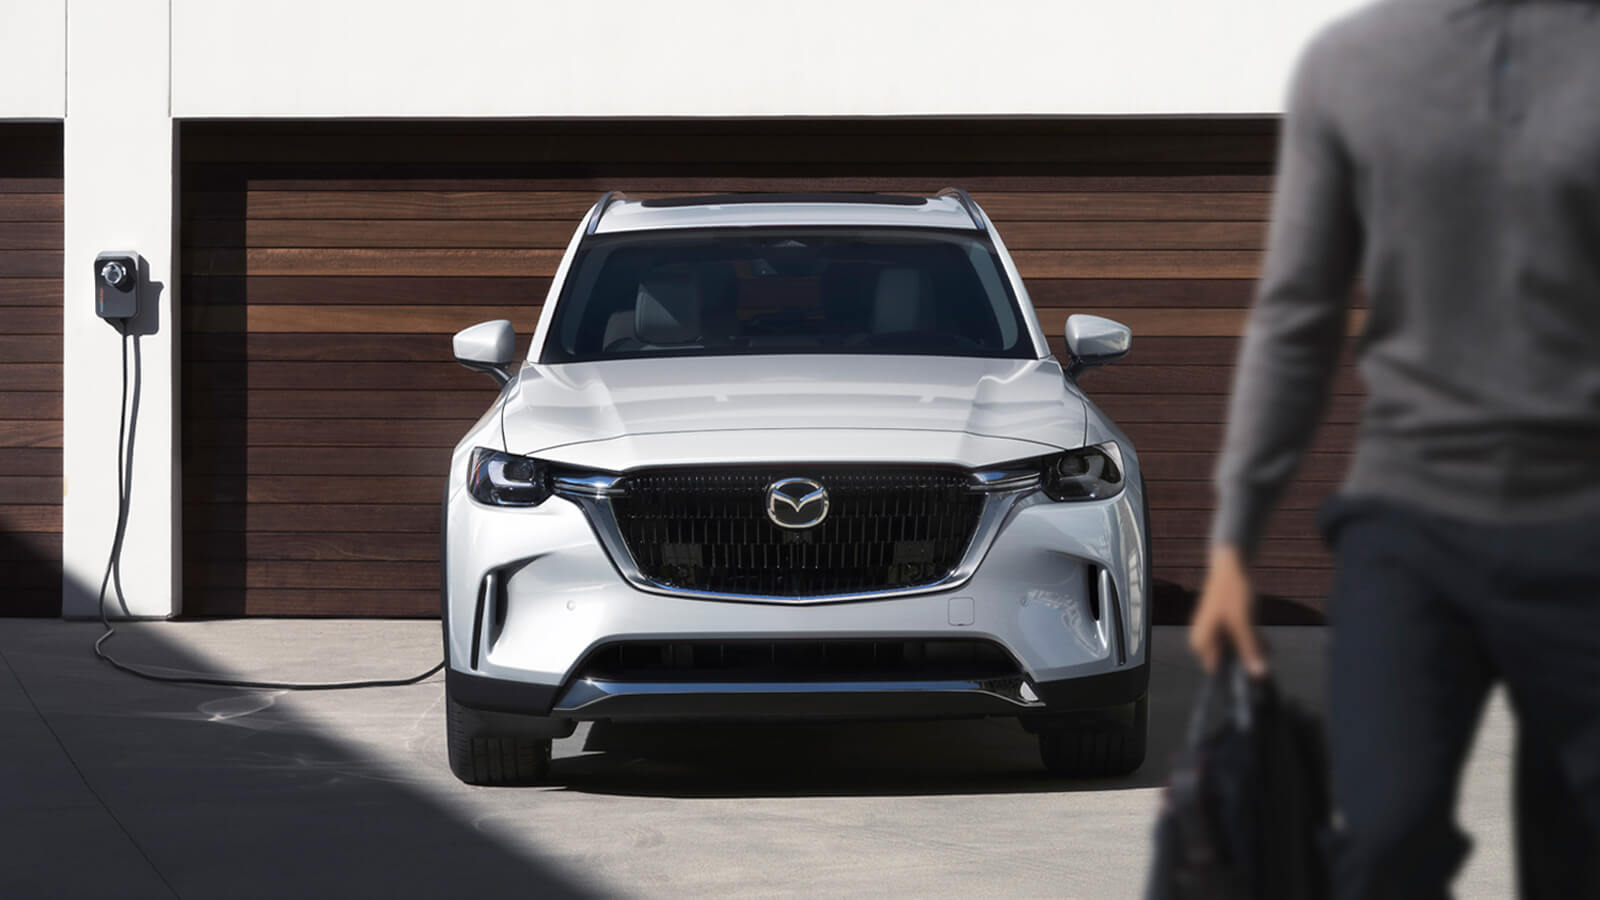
[1448,152]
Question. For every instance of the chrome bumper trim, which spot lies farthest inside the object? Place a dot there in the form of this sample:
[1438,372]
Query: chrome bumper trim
[588,692]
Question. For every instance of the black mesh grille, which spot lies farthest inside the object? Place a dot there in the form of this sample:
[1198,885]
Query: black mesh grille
[886,528]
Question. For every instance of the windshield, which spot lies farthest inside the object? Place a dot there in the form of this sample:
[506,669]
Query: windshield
[813,290]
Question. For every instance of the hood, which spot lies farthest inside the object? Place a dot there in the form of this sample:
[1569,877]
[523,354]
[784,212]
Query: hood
[968,411]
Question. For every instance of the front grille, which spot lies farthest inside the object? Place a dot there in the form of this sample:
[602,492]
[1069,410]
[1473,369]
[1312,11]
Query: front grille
[799,660]
[886,529]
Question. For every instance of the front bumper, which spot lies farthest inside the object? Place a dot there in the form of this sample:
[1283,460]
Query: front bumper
[588,700]
[530,593]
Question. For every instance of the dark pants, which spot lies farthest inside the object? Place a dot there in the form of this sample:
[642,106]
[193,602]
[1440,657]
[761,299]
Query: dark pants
[1428,613]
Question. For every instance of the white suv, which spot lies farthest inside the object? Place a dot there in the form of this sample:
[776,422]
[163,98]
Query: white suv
[778,456]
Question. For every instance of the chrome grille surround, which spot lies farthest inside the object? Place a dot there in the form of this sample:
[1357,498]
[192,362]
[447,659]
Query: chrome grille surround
[982,505]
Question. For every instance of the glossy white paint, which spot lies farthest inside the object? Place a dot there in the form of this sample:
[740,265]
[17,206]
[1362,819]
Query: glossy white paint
[490,343]
[1008,400]
[1024,582]
[765,445]
[1096,340]
[565,595]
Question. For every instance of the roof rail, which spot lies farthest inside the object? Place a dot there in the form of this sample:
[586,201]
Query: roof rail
[799,197]
[606,200]
[968,204]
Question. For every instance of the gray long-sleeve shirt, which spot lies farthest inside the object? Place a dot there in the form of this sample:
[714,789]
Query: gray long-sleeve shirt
[1448,151]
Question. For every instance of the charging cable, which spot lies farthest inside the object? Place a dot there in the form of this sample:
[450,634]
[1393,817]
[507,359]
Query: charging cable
[113,578]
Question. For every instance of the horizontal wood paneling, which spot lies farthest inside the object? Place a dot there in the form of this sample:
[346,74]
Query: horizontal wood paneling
[41,405]
[30,376]
[530,289]
[30,433]
[1197,409]
[1180,466]
[1207,438]
[569,206]
[324,546]
[322,461]
[263,290]
[32,347]
[321,488]
[713,178]
[419,319]
[38,546]
[42,518]
[821,145]
[497,262]
[30,263]
[30,369]
[314,574]
[327,320]
[41,320]
[43,462]
[231,600]
[293,517]
[325,265]
[364,375]
[401,234]
[37,577]
[23,490]
[553,234]
[399,430]
[32,291]
[32,208]
[1174,527]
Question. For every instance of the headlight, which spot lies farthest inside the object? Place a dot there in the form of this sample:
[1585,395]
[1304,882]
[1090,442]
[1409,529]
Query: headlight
[504,479]
[1088,473]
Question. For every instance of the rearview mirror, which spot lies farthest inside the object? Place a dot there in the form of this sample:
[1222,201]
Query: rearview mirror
[1095,341]
[487,347]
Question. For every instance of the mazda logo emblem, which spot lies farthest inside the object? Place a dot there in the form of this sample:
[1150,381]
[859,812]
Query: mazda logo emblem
[797,503]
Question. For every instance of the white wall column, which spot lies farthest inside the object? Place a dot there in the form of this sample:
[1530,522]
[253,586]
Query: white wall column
[120,196]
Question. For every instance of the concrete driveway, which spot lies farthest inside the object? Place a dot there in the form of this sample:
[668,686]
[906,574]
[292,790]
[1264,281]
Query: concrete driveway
[115,787]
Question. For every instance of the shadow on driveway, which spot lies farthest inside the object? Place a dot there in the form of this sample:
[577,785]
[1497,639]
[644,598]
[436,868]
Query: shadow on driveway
[112,786]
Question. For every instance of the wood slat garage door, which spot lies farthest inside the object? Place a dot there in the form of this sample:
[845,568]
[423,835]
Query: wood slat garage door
[326,264]
[30,370]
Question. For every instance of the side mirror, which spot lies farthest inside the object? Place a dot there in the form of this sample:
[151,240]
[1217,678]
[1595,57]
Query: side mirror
[1095,341]
[487,347]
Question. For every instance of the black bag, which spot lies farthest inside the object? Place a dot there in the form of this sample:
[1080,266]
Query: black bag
[1245,815]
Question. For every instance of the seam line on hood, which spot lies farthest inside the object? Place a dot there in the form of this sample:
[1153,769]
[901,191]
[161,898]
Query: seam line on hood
[618,437]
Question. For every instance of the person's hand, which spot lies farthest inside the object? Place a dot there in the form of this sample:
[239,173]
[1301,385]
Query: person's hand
[1224,618]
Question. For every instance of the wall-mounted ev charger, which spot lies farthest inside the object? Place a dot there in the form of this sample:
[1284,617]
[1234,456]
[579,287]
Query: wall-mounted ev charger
[116,284]
[119,277]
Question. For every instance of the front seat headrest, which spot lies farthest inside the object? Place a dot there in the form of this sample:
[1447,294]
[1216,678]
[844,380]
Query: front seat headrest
[667,310]
[900,302]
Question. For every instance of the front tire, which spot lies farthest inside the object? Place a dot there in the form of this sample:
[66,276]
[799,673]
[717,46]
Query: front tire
[482,754]
[1102,744]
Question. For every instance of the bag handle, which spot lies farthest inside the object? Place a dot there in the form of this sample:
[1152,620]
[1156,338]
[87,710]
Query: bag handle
[1225,696]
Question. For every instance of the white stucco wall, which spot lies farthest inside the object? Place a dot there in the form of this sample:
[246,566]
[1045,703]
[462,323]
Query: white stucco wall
[395,58]
[119,196]
[734,57]
[33,59]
